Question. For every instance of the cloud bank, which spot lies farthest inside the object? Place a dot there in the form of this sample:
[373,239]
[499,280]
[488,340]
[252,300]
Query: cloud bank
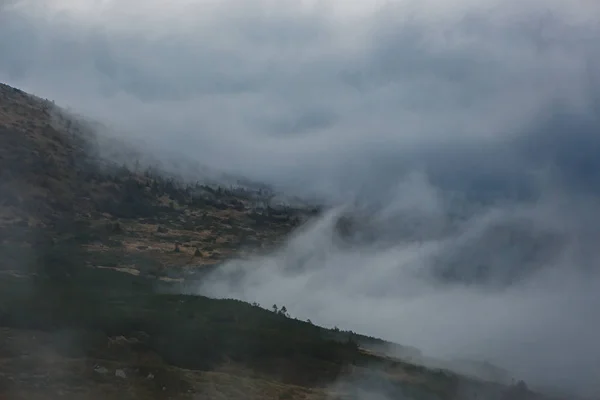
[511,286]
[465,132]
[324,96]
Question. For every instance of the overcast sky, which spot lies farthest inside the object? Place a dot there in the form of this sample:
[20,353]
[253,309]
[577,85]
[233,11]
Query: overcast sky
[407,104]
[322,95]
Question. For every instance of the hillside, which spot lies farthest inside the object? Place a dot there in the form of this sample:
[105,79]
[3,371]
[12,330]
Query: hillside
[56,181]
[92,253]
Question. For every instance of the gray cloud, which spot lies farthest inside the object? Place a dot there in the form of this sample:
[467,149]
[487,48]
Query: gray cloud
[308,89]
[465,132]
[512,285]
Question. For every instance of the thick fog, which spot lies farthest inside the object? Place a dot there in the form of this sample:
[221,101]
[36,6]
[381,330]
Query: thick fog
[461,136]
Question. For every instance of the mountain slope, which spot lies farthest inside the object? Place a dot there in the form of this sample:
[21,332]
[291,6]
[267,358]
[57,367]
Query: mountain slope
[54,179]
[92,254]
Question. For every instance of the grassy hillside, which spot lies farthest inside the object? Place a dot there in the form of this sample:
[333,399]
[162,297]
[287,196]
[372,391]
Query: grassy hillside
[91,249]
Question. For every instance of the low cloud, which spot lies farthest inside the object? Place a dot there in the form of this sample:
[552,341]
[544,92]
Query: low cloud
[510,286]
[319,97]
[465,135]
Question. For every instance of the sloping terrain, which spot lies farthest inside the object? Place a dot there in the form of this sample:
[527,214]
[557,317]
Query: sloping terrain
[54,180]
[91,256]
